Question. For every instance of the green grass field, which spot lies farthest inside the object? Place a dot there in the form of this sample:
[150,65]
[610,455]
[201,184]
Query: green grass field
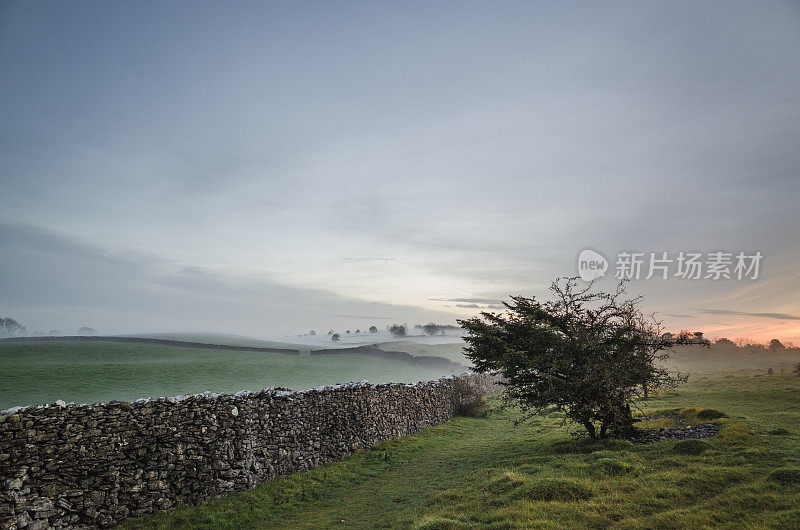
[489,473]
[222,338]
[452,351]
[87,372]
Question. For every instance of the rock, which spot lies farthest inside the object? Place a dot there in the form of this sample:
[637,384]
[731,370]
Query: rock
[13,484]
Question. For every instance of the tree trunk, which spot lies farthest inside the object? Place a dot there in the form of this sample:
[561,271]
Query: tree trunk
[603,428]
[590,427]
[646,393]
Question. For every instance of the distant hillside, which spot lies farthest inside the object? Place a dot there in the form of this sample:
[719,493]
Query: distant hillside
[423,360]
[453,351]
[100,369]
[142,340]
[223,338]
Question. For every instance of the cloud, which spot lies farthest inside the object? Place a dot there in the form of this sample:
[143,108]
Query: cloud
[779,316]
[469,306]
[467,300]
[52,280]
[367,259]
[369,317]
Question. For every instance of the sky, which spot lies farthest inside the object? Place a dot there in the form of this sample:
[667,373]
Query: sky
[268,168]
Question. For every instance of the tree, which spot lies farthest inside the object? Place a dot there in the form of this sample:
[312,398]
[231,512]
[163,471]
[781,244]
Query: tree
[584,353]
[86,330]
[776,345]
[373,329]
[11,328]
[398,330]
[431,329]
[312,332]
[724,342]
[335,337]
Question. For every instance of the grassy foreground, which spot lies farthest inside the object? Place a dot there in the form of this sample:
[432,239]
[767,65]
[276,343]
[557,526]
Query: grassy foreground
[485,472]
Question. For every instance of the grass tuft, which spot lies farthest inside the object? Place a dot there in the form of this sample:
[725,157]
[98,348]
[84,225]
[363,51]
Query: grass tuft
[506,482]
[610,466]
[785,476]
[691,447]
[710,414]
[548,490]
[437,522]
[735,432]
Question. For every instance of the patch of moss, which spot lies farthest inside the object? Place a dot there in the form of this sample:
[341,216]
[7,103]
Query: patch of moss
[688,412]
[735,432]
[710,414]
[691,447]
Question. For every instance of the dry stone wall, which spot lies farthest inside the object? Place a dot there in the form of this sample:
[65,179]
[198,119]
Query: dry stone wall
[95,465]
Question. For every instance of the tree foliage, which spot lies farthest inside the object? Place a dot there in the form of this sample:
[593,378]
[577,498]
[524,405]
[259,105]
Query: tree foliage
[398,330]
[776,345]
[587,354]
[10,327]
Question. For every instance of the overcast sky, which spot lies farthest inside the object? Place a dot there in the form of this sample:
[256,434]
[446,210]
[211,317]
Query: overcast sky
[272,167]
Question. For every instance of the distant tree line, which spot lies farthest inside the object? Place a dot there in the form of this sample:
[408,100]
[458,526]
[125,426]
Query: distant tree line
[432,328]
[10,328]
[744,343]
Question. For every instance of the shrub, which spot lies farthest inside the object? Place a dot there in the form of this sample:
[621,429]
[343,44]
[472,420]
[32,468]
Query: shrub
[691,447]
[468,399]
[710,414]
[785,476]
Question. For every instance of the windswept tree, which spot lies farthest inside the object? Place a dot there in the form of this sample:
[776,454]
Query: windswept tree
[587,354]
[10,327]
[335,337]
[373,329]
